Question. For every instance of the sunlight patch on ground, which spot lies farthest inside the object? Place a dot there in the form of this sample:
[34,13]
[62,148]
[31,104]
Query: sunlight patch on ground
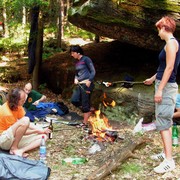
[78,41]
[4,58]
[2,64]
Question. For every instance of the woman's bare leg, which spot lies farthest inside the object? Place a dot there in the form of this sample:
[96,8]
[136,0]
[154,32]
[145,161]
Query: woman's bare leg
[34,144]
[166,136]
[19,129]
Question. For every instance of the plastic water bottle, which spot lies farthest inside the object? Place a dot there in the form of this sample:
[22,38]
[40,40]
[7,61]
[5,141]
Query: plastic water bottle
[175,135]
[42,150]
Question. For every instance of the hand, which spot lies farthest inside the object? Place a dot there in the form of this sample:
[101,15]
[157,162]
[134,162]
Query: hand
[47,131]
[107,84]
[88,83]
[158,96]
[76,81]
[43,131]
[148,81]
[36,103]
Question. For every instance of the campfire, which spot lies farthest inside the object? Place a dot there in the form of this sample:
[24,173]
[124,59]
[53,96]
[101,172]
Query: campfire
[107,101]
[100,127]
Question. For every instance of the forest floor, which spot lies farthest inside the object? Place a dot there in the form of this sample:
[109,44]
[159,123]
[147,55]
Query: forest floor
[72,141]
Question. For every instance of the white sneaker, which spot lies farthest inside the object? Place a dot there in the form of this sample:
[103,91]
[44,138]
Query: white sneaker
[159,156]
[165,166]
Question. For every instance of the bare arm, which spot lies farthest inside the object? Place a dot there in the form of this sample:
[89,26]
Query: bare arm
[43,98]
[33,129]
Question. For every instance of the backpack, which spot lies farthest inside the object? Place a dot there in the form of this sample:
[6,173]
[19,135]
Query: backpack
[15,167]
[63,107]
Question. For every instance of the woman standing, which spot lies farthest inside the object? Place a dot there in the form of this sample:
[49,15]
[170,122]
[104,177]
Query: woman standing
[85,73]
[166,89]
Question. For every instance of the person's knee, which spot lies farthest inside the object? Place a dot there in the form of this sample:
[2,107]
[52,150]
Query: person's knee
[25,121]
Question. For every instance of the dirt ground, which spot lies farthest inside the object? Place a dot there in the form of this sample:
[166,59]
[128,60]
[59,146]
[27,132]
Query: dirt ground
[71,141]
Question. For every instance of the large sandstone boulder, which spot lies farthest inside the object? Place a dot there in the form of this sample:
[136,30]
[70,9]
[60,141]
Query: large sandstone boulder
[111,63]
[129,21]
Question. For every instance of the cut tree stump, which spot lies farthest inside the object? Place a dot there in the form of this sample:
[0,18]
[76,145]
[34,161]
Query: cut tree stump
[114,162]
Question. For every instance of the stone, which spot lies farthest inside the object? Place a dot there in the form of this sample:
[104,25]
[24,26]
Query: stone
[129,21]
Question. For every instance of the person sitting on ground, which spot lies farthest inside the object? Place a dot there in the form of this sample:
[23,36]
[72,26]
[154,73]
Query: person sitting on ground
[35,106]
[176,116]
[33,97]
[17,134]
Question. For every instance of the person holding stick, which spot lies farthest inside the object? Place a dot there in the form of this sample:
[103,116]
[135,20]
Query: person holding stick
[166,89]
[84,76]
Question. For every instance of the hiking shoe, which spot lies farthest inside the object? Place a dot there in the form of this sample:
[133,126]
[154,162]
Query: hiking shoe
[159,156]
[165,166]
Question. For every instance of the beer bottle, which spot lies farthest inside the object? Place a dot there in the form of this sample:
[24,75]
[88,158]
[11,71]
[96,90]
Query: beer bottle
[174,135]
[51,128]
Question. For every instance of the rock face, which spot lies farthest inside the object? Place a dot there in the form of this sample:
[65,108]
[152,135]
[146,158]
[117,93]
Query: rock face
[129,21]
[111,63]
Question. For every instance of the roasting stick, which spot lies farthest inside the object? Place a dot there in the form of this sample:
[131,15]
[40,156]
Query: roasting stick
[107,84]
[87,92]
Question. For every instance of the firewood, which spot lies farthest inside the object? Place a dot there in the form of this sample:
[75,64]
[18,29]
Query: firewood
[114,162]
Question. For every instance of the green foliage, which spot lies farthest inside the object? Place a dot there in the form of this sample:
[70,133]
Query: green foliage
[42,86]
[131,168]
[50,45]
[71,31]
[17,40]
[70,150]
[49,51]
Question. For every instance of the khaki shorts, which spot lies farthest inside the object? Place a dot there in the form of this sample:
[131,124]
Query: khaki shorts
[7,138]
[165,109]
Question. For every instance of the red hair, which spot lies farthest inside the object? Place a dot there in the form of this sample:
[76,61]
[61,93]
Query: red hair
[168,23]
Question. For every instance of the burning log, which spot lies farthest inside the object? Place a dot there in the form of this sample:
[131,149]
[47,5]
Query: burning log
[100,127]
[114,162]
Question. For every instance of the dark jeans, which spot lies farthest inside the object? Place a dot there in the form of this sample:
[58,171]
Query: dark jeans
[81,98]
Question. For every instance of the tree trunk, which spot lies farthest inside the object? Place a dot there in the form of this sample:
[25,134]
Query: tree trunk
[59,24]
[38,52]
[6,31]
[33,39]
[114,162]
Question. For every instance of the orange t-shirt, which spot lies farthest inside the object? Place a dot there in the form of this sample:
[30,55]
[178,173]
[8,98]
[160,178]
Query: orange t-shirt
[9,117]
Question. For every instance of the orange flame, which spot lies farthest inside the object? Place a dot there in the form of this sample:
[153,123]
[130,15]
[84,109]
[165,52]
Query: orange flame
[107,101]
[99,124]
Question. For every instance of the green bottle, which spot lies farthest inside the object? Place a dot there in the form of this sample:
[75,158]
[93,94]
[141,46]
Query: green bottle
[74,161]
[175,135]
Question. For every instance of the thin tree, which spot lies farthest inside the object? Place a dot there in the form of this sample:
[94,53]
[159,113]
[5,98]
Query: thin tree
[38,52]
[59,24]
